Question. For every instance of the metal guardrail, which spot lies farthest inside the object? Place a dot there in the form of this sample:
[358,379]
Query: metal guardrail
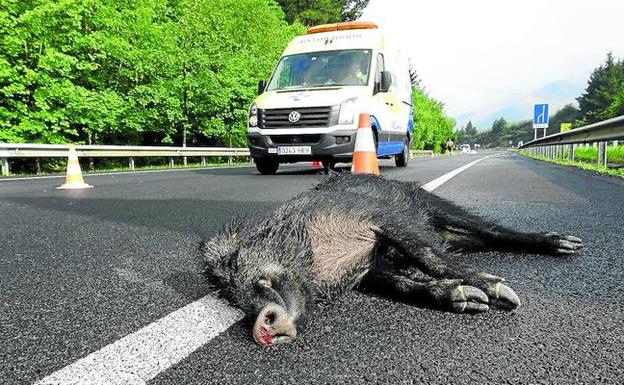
[564,144]
[30,150]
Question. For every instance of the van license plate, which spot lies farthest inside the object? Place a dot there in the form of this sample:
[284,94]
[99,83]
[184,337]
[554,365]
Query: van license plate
[294,150]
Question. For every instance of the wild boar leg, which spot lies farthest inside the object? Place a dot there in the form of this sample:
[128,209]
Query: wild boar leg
[433,260]
[470,232]
[443,294]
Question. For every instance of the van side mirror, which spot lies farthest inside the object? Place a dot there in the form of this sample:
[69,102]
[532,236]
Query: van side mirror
[386,81]
[261,87]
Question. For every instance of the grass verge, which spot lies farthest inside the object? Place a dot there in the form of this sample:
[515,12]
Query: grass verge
[615,154]
[618,172]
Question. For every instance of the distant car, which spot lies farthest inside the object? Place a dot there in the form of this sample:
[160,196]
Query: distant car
[464,149]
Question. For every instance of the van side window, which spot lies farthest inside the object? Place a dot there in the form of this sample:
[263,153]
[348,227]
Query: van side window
[380,67]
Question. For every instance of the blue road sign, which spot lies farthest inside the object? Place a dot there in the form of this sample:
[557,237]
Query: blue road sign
[540,116]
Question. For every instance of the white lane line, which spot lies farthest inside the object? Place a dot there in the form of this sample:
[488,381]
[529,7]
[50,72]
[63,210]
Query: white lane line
[88,175]
[142,355]
[434,184]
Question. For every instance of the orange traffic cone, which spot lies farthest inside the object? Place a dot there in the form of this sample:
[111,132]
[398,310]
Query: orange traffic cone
[73,180]
[316,164]
[364,153]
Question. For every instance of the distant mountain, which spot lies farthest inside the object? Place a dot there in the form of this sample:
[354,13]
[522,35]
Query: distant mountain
[511,113]
[557,94]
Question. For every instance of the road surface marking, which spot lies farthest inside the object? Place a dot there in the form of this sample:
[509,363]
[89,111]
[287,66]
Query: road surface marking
[434,184]
[142,355]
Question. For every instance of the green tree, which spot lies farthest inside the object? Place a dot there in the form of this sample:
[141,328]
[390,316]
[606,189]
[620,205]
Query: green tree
[602,97]
[567,114]
[500,131]
[432,128]
[220,50]
[352,9]
[314,12]
[116,71]
[41,69]
[469,133]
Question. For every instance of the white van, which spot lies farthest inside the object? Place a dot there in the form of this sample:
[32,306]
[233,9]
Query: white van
[308,110]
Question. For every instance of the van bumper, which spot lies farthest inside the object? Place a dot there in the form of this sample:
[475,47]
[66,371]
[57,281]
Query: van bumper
[336,146]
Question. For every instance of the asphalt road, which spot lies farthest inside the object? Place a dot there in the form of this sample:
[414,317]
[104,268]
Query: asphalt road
[80,270]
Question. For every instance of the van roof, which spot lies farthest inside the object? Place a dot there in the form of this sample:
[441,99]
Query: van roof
[331,40]
[342,26]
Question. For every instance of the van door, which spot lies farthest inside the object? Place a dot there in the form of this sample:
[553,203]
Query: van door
[391,110]
[404,123]
[380,118]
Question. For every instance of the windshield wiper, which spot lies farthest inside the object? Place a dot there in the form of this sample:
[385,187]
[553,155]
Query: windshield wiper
[311,88]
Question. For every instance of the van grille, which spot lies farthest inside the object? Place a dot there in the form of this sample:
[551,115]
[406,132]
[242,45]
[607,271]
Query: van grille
[310,117]
[295,139]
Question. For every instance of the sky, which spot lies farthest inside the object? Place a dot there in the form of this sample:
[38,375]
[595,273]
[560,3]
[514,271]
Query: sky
[490,58]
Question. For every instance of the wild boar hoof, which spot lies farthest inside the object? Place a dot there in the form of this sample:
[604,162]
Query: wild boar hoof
[468,299]
[563,244]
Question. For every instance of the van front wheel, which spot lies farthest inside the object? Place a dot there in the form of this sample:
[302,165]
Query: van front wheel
[329,165]
[267,166]
[402,159]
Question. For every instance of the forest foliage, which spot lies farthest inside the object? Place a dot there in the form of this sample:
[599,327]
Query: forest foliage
[432,127]
[316,12]
[155,72]
[125,72]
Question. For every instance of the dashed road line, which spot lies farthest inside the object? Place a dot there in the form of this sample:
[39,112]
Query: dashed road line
[434,184]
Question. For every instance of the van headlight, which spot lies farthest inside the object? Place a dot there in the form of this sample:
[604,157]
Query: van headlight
[348,109]
[253,115]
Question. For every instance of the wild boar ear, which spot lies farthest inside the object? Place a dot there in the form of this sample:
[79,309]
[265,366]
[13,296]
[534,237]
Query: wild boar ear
[222,246]
[233,229]
[218,257]
[265,282]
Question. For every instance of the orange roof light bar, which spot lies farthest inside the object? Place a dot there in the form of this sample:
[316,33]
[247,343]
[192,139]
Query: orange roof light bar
[342,26]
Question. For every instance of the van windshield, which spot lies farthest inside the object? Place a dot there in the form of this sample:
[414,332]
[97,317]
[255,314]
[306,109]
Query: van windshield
[322,69]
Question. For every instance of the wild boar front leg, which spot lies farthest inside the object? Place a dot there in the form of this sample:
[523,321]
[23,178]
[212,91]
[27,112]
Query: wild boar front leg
[432,260]
[443,294]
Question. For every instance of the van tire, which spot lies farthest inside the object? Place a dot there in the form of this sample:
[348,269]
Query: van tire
[376,141]
[329,165]
[267,166]
[402,159]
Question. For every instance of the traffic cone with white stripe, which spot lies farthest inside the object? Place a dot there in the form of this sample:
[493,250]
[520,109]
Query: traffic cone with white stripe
[73,179]
[364,153]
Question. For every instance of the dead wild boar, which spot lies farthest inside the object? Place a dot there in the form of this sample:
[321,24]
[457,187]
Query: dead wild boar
[361,231]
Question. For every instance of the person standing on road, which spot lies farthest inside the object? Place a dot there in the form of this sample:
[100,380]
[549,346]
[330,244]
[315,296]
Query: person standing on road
[449,146]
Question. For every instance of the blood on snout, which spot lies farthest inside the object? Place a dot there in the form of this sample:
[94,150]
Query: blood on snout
[273,325]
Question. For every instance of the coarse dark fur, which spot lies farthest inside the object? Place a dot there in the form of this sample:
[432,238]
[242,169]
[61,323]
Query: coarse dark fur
[361,231]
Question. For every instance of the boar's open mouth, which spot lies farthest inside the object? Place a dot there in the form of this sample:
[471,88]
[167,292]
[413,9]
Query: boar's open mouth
[264,337]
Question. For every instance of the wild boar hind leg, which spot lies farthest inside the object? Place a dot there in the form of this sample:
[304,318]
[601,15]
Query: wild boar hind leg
[433,260]
[472,233]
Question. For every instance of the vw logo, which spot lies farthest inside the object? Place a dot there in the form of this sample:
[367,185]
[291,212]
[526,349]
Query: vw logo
[294,117]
